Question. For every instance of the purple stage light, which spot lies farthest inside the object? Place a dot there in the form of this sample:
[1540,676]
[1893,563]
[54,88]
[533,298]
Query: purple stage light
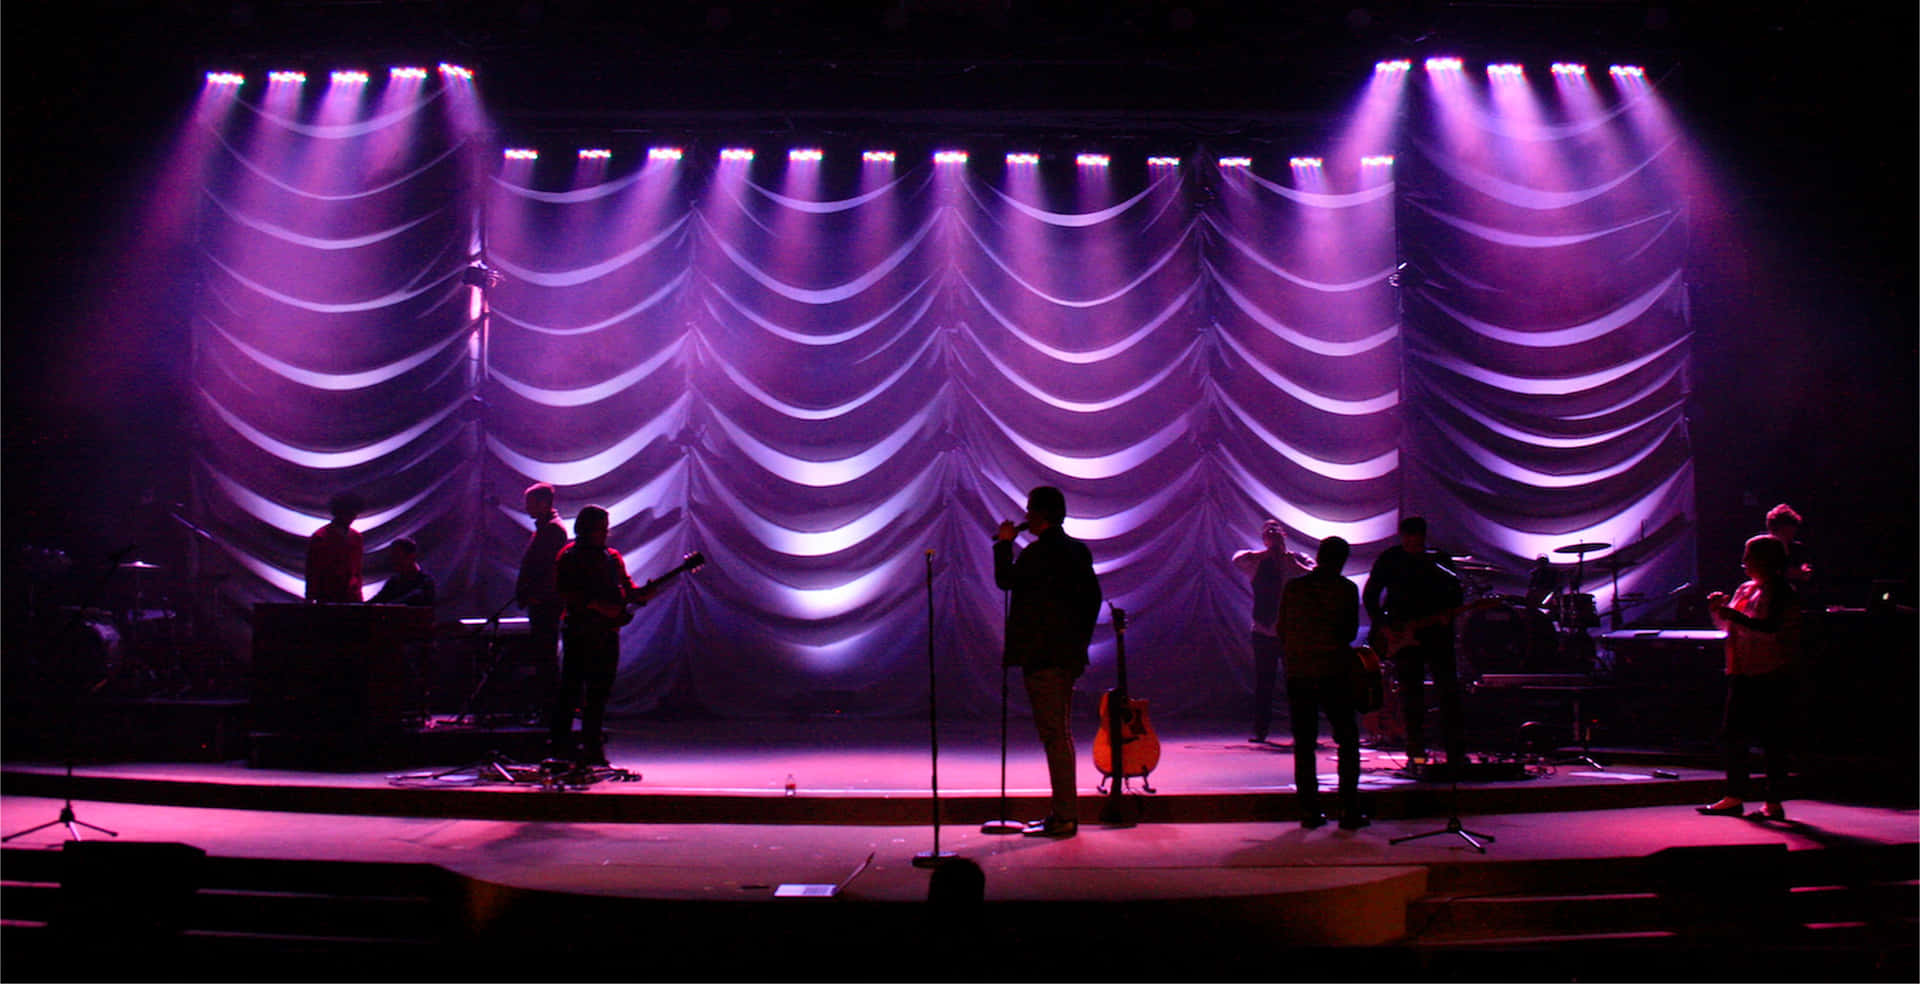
[736,154]
[1506,72]
[226,78]
[877,156]
[520,154]
[664,153]
[1377,160]
[1163,162]
[806,154]
[411,73]
[1569,69]
[1444,65]
[949,157]
[1397,65]
[1019,158]
[1236,162]
[350,77]
[1093,160]
[1626,71]
[455,72]
[287,77]
[595,154]
[1306,162]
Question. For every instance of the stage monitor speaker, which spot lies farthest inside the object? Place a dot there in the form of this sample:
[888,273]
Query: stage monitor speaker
[119,892]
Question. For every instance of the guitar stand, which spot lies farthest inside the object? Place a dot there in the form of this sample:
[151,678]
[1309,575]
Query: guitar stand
[1106,780]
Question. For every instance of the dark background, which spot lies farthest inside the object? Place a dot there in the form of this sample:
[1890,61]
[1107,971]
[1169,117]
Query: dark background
[1802,279]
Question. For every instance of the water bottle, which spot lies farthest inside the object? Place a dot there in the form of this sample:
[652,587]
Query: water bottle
[790,787]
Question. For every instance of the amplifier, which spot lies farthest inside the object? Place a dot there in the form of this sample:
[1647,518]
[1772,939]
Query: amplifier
[334,674]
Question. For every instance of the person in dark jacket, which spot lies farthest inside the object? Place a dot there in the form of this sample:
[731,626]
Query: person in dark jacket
[1319,616]
[1054,603]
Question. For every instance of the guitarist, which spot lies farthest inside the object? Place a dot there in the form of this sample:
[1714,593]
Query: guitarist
[1054,603]
[1319,616]
[593,580]
[1410,583]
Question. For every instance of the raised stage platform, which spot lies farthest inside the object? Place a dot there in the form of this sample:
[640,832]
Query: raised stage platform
[675,871]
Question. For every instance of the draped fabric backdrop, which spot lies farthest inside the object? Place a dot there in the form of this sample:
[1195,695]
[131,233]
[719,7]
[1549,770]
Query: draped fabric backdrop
[834,378]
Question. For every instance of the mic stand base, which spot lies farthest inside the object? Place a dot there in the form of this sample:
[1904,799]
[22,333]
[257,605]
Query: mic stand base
[1002,827]
[932,859]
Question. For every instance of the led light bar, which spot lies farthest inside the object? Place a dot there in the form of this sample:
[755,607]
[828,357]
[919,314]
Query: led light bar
[455,71]
[350,78]
[1163,162]
[295,78]
[1444,64]
[949,157]
[736,154]
[520,154]
[1570,68]
[1395,65]
[226,78]
[595,154]
[1377,160]
[806,154]
[877,156]
[664,153]
[1093,160]
[1305,162]
[1236,162]
[1019,158]
[406,73]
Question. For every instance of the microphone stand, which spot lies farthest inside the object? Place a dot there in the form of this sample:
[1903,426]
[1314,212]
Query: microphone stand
[69,684]
[1003,825]
[936,857]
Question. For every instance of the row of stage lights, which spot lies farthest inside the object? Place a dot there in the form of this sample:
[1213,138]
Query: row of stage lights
[1507,71]
[801,155]
[1500,70]
[342,77]
[1497,70]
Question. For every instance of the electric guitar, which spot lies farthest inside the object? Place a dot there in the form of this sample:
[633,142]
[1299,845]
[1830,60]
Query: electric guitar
[691,562]
[1126,744]
[1388,638]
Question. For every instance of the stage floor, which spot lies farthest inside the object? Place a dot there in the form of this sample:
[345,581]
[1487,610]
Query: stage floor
[1217,852]
[865,772]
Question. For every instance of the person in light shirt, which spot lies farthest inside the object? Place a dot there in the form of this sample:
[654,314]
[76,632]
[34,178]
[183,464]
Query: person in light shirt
[1762,621]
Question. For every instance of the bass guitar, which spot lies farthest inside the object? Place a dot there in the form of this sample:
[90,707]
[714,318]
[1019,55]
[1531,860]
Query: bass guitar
[1126,745]
[691,562]
[1387,639]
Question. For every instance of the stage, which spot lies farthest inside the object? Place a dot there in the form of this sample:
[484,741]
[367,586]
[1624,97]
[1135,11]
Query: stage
[1584,869]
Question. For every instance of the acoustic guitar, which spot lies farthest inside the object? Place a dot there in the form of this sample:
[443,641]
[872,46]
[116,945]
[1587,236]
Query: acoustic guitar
[1126,745]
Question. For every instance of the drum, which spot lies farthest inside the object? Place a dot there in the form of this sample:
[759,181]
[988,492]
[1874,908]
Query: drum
[1508,639]
[1576,611]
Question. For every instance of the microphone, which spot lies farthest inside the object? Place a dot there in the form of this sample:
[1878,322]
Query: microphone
[1018,528]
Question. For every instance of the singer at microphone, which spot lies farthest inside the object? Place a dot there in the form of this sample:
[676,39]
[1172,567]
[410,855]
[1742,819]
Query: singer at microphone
[1010,529]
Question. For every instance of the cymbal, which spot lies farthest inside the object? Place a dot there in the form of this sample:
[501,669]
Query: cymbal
[1582,548]
[1474,564]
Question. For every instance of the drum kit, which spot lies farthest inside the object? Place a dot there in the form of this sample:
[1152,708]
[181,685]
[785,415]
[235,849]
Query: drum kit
[125,639]
[1544,632]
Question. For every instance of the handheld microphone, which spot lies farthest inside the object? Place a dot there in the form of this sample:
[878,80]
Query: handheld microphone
[1018,528]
